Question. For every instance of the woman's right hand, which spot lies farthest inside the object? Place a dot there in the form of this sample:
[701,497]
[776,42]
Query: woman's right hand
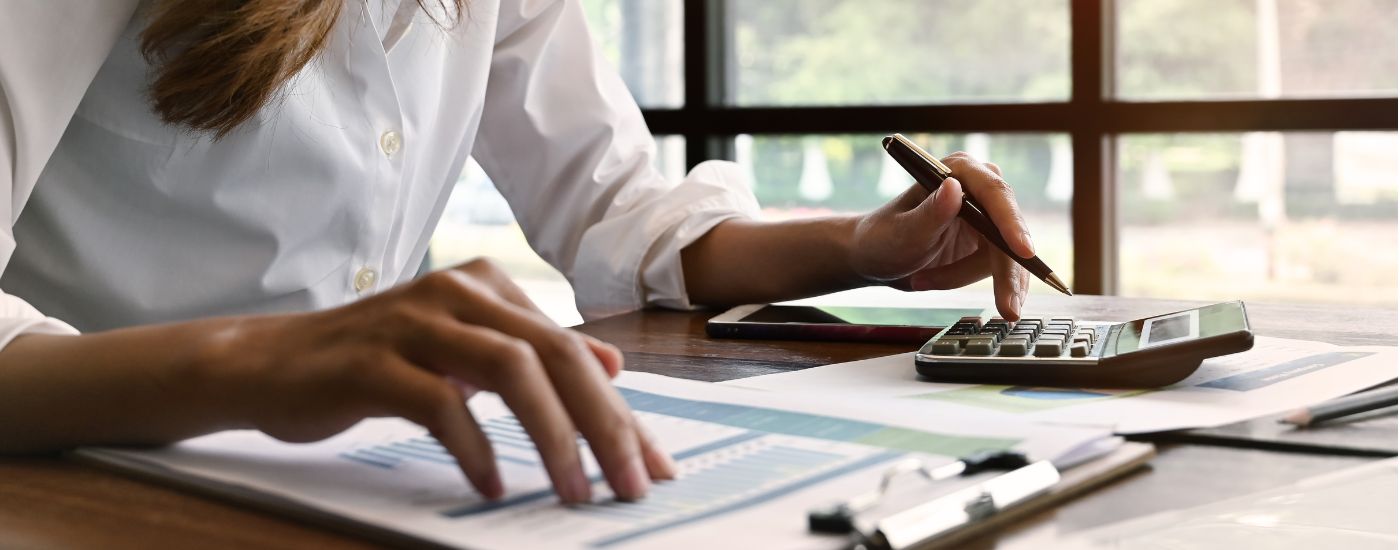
[418,351]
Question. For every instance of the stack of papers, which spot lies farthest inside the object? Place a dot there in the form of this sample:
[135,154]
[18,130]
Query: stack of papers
[1275,376]
[751,465]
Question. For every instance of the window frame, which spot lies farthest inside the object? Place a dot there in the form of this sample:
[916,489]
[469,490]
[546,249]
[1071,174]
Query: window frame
[1091,117]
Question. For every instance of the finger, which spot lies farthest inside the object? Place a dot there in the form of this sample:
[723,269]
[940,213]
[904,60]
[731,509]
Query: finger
[488,271]
[933,216]
[607,354]
[960,273]
[580,382]
[428,400]
[911,198]
[659,463]
[508,366]
[997,199]
[1009,282]
[597,409]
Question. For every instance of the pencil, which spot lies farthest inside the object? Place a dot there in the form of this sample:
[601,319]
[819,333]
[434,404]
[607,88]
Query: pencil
[1343,406]
[929,172]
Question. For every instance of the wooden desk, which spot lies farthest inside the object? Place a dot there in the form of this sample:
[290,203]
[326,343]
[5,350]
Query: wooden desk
[47,503]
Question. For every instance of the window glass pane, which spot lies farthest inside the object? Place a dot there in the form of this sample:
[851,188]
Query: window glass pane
[1296,217]
[1167,49]
[477,223]
[831,52]
[812,175]
[643,39]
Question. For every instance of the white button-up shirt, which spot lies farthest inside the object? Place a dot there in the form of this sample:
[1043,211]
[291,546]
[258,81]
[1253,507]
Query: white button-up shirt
[333,191]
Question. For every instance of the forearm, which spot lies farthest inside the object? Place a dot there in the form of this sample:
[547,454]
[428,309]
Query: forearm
[141,385]
[744,261]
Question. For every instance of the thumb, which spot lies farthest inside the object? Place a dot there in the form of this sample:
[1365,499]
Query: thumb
[936,212]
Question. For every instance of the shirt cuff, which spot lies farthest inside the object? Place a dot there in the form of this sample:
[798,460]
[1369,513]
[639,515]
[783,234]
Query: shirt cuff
[648,267]
[17,317]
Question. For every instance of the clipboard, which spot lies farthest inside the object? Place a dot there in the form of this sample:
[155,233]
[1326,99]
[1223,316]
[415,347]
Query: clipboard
[945,514]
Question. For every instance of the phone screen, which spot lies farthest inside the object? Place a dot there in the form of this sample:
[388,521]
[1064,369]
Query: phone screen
[878,316]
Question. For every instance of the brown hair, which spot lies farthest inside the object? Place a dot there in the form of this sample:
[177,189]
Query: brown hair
[217,62]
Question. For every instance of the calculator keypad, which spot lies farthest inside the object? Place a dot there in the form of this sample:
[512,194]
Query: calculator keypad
[1031,336]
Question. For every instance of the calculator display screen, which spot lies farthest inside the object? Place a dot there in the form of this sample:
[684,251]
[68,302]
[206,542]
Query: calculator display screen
[1178,328]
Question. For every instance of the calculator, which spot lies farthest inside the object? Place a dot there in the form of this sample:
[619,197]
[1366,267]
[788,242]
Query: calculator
[1066,352]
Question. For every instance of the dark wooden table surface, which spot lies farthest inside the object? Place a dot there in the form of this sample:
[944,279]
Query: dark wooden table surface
[50,503]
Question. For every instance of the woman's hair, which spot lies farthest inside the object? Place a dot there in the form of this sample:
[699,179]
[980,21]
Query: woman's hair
[217,62]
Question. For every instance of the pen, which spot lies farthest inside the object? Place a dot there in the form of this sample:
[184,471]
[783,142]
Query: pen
[930,173]
[1343,406]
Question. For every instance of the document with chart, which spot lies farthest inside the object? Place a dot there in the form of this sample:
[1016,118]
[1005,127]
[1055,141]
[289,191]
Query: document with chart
[751,465]
[1277,375]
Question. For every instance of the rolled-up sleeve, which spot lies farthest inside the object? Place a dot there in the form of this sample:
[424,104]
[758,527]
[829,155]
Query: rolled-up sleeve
[566,144]
[50,50]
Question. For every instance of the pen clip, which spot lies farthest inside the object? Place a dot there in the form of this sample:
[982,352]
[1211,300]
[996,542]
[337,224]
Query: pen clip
[939,168]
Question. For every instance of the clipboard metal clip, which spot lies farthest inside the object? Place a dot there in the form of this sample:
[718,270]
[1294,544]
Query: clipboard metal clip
[945,513]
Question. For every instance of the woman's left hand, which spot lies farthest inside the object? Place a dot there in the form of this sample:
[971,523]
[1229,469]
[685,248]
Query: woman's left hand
[917,242]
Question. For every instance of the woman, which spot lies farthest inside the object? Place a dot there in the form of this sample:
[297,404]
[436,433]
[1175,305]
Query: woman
[224,203]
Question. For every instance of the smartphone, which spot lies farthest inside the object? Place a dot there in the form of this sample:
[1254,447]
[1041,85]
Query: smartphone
[1061,351]
[834,323]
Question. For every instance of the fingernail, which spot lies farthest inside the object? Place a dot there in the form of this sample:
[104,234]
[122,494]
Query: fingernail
[1030,244]
[578,488]
[635,481]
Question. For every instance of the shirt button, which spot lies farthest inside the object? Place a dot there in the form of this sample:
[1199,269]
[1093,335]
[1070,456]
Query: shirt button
[365,278]
[390,142]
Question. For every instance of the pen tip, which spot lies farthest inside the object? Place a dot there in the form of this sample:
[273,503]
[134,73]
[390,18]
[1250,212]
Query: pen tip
[1057,284]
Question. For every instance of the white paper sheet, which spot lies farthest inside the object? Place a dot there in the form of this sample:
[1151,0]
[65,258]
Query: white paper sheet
[1275,376]
[1353,509]
[752,464]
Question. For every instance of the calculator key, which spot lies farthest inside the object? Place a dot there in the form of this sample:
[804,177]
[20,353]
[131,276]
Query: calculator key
[1037,321]
[1079,349]
[1015,347]
[946,346]
[980,345]
[971,320]
[1049,348]
[1069,320]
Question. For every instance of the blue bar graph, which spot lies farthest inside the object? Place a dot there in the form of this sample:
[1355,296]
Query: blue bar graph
[766,474]
[501,431]
[771,454]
